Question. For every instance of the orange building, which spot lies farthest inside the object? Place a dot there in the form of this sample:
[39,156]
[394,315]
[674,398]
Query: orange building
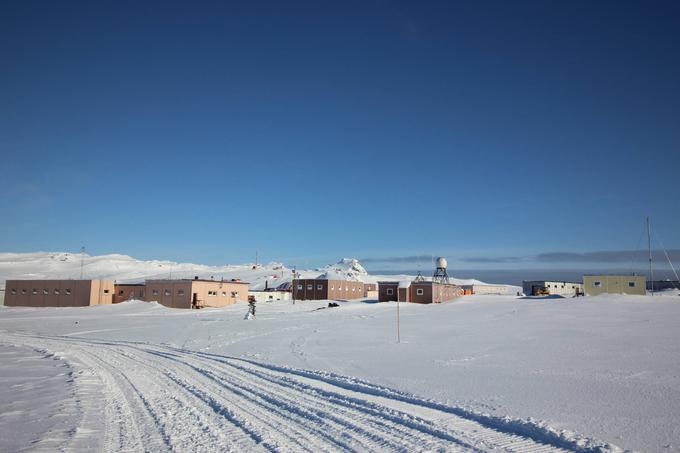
[196,293]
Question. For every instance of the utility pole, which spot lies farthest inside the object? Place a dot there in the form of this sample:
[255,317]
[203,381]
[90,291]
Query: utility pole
[82,261]
[649,246]
[398,320]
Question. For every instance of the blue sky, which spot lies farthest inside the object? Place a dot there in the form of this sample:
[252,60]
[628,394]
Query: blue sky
[203,131]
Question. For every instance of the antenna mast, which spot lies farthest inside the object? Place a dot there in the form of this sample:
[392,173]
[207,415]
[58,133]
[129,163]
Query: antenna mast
[649,247]
[82,260]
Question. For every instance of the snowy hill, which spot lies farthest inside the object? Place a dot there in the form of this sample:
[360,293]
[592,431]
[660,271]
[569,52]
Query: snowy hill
[126,269]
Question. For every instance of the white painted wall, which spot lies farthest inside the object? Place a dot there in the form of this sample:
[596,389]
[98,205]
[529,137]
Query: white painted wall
[270,296]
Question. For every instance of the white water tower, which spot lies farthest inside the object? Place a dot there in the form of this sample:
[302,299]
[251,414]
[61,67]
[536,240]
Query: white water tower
[440,275]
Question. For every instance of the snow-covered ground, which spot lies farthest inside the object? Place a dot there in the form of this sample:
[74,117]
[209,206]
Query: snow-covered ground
[479,373]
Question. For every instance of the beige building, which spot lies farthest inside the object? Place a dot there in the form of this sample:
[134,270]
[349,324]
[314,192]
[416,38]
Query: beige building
[616,284]
[484,288]
[196,293]
[58,293]
[322,289]
[269,296]
[128,291]
[371,290]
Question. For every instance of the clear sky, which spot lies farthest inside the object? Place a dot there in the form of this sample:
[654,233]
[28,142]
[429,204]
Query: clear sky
[488,132]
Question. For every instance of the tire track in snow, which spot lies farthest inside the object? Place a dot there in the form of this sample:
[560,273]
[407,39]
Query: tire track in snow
[164,398]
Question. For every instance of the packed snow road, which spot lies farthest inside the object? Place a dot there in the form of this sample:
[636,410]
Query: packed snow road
[145,397]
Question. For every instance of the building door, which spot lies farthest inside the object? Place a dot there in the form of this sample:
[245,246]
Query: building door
[194,301]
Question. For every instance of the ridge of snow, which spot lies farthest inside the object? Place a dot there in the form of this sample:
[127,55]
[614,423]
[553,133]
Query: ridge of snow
[126,269]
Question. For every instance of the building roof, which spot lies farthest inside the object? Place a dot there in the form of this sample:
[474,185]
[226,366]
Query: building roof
[197,280]
[552,281]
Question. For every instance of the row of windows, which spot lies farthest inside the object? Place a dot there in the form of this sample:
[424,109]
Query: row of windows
[180,292]
[419,291]
[556,286]
[598,283]
[310,287]
[46,291]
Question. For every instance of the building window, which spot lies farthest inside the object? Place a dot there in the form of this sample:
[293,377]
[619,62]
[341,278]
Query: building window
[23,291]
[319,287]
[390,291]
[332,288]
[106,291]
[419,291]
[224,293]
[352,288]
[56,291]
[46,291]
[154,292]
[14,291]
[597,283]
[180,292]
[35,291]
[234,294]
[631,284]
[167,292]
[310,287]
[299,287]
[212,293]
[68,290]
[121,292]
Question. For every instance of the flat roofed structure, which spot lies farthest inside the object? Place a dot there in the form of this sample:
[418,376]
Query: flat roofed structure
[58,293]
[196,293]
[420,292]
[323,289]
[434,292]
[371,290]
[615,284]
[394,291]
[269,296]
[550,287]
[128,291]
[484,288]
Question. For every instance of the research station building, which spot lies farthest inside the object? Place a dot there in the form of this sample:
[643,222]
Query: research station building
[322,289]
[419,292]
[549,287]
[128,291]
[615,284]
[484,288]
[196,293]
[58,293]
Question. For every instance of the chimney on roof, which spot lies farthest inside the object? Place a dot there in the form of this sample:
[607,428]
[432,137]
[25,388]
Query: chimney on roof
[196,277]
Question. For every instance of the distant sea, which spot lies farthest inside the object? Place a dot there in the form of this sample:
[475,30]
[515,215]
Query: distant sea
[515,276]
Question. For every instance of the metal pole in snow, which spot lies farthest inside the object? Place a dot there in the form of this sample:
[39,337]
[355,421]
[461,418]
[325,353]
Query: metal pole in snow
[398,321]
[649,246]
[82,260]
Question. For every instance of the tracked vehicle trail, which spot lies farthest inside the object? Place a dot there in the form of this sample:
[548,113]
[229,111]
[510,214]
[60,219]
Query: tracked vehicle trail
[159,398]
